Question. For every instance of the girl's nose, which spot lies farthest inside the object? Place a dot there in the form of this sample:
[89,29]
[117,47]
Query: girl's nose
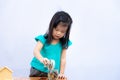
[58,32]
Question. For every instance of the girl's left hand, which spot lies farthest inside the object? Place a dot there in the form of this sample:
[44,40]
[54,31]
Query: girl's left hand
[61,77]
[46,61]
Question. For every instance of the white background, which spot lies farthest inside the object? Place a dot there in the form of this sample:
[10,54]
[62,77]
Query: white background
[95,33]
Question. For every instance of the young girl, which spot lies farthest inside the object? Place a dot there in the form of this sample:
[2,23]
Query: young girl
[52,45]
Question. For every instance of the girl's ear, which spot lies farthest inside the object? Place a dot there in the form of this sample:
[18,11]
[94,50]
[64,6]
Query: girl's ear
[64,36]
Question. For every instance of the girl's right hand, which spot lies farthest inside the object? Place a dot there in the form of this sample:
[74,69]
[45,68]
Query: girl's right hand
[62,77]
[45,61]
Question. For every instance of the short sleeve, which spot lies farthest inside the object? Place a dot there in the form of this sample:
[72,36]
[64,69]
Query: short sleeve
[69,43]
[40,38]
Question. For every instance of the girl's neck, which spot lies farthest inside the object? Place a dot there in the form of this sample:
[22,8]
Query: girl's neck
[54,41]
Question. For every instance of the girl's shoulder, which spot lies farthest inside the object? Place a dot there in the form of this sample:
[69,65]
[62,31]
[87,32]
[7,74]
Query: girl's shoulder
[40,38]
[69,42]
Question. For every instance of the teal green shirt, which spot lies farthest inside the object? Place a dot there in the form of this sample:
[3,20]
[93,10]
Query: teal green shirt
[51,51]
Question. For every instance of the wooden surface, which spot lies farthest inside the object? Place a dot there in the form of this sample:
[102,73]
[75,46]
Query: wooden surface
[30,78]
[33,78]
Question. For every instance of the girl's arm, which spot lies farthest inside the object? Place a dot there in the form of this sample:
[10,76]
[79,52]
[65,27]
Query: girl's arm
[63,61]
[36,51]
[37,54]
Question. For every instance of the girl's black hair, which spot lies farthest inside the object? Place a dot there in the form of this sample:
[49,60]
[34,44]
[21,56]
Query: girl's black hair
[58,17]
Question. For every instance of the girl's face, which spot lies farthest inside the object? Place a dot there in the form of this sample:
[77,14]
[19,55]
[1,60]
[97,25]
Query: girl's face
[59,31]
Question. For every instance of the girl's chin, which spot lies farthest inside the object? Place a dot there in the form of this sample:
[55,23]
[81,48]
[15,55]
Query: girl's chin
[56,38]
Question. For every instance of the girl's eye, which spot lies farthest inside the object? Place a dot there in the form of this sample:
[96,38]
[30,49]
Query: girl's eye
[63,31]
[60,31]
[56,29]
